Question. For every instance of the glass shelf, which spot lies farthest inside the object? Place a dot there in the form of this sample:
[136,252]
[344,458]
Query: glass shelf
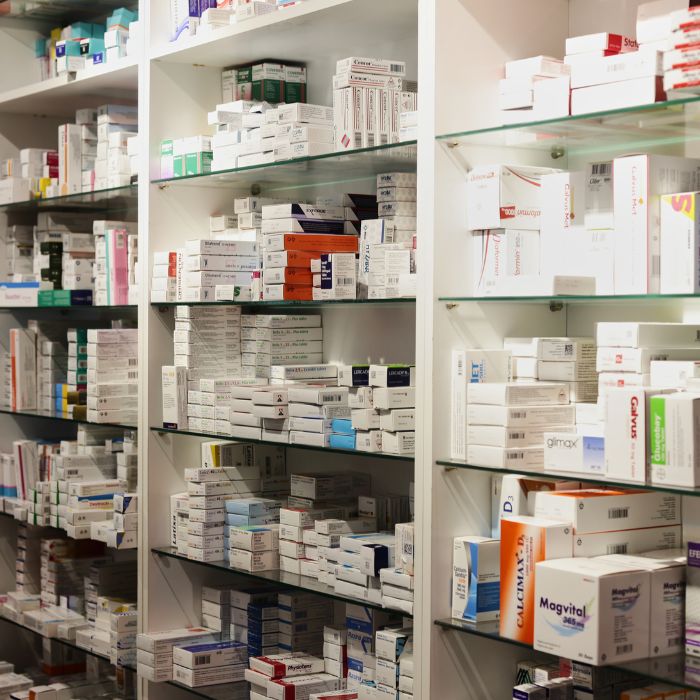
[65,642]
[668,123]
[47,415]
[583,299]
[272,443]
[329,169]
[286,579]
[572,476]
[224,691]
[677,669]
[111,199]
[306,304]
[74,307]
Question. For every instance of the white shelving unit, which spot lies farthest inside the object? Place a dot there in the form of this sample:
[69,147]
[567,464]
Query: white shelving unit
[456,48]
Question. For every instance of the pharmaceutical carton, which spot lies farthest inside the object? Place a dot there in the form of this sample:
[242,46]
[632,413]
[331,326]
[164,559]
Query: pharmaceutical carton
[626,438]
[537,65]
[648,335]
[519,394]
[592,611]
[692,600]
[475,578]
[596,510]
[511,494]
[500,436]
[573,452]
[626,541]
[520,416]
[638,183]
[618,95]
[680,244]
[524,542]
[488,261]
[639,359]
[503,196]
[470,367]
[673,374]
[674,440]
[529,458]
[611,69]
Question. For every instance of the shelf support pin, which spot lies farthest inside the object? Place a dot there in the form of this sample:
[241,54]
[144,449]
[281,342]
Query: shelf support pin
[453,144]
[451,305]
[557,152]
[555,306]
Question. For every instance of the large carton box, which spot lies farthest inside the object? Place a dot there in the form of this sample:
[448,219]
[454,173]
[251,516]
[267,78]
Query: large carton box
[639,181]
[524,542]
[598,510]
[680,244]
[592,611]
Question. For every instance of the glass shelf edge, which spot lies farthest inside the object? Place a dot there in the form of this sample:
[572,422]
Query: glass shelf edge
[387,148]
[571,119]
[326,591]
[272,443]
[569,476]
[29,414]
[265,304]
[567,299]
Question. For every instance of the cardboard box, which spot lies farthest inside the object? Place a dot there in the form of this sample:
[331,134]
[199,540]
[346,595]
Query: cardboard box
[521,416]
[619,95]
[475,578]
[524,542]
[592,611]
[504,196]
[519,394]
[573,452]
[639,182]
[488,261]
[674,441]
[530,458]
[596,510]
[595,544]
[626,438]
[648,335]
[680,244]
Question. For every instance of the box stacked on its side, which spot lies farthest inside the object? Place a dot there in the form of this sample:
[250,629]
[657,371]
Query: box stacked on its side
[398,582]
[308,403]
[115,261]
[335,651]
[254,619]
[207,662]
[303,131]
[680,58]
[154,652]
[105,346]
[164,276]
[252,531]
[387,263]
[115,125]
[280,675]
[302,617]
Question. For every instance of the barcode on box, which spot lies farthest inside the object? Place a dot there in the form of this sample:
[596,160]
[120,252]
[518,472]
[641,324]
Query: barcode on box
[516,436]
[202,660]
[519,414]
[617,513]
[616,549]
[624,648]
[601,168]
[345,281]
[396,68]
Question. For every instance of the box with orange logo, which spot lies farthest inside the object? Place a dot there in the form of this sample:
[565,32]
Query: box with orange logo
[526,540]
[680,243]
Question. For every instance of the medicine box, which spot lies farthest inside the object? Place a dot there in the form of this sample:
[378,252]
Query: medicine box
[592,611]
[680,244]
[525,541]
[475,578]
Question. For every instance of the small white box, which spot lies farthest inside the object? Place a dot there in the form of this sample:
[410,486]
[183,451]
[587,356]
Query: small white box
[571,452]
[592,611]
[593,544]
[519,394]
[475,578]
[648,335]
[504,196]
[174,393]
[673,374]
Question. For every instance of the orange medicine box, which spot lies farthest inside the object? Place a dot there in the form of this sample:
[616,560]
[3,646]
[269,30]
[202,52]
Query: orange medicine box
[526,540]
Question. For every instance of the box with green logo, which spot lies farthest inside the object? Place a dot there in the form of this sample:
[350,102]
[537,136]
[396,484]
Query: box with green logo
[674,439]
[198,163]
[294,84]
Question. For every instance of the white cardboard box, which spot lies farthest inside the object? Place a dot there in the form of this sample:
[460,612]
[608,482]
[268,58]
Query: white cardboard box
[639,181]
[572,452]
[590,611]
[504,196]
[593,544]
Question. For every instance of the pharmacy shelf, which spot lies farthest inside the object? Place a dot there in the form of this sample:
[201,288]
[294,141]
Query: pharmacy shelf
[47,415]
[61,96]
[636,128]
[111,199]
[450,464]
[568,299]
[65,642]
[223,691]
[57,12]
[75,307]
[287,304]
[333,168]
[677,669]
[308,32]
[272,443]
[284,578]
